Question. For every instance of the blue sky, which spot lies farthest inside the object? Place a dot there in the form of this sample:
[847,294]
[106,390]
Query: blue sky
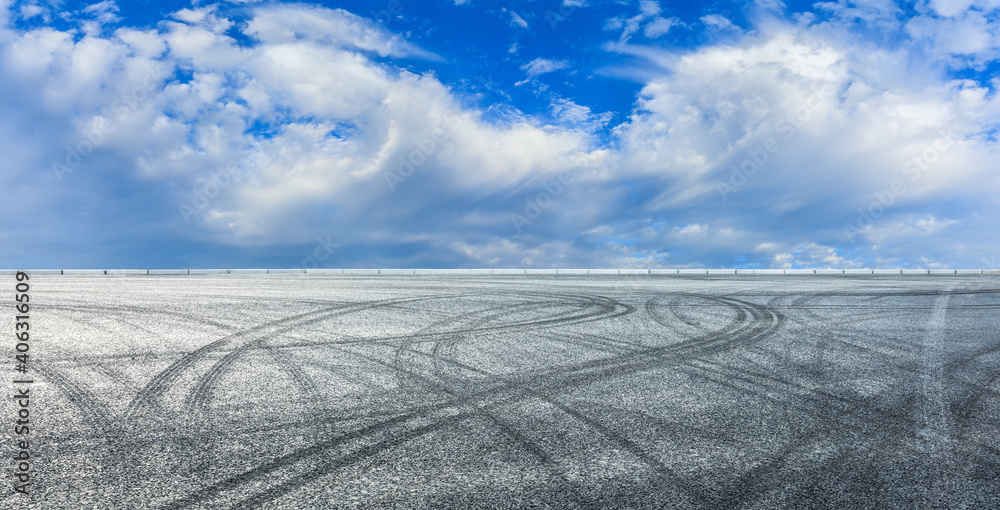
[541,133]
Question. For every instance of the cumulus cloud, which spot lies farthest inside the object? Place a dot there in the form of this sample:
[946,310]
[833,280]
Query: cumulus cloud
[659,26]
[647,19]
[798,144]
[830,146]
[252,139]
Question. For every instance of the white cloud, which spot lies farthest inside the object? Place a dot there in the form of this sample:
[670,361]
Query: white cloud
[718,22]
[950,7]
[649,8]
[844,123]
[339,123]
[812,255]
[659,27]
[516,19]
[968,34]
[771,5]
[692,229]
[204,17]
[289,24]
[104,11]
[31,10]
[540,66]
[630,26]
[571,115]
[313,121]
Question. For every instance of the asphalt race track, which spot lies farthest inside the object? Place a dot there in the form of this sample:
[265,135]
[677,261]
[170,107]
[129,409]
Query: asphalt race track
[305,391]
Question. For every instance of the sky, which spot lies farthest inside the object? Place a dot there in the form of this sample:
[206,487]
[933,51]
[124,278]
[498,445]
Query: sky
[474,134]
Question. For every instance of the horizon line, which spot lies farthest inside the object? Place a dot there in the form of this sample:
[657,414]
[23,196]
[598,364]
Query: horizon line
[503,271]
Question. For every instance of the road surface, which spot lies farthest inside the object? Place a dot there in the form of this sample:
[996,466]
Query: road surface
[305,391]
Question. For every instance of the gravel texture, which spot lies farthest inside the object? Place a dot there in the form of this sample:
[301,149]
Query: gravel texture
[307,391]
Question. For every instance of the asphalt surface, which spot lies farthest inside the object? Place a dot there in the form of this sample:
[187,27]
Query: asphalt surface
[512,392]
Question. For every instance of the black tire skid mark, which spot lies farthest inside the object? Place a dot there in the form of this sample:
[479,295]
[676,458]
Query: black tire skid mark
[803,497]
[752,323]
[594,342]
[487,393]
[201,393]
[642,353]
[808,399]
[114,310]
[662,470]
[899,424]
[581,374]
[161,382]
[811,324]
[302,380]
[675,310]
[887,357]
[526,325]
[810,317]
[755,478]
[406,346]
[961,412]
[674,307]
[97,427]
[978,450]
[964,411]
[78,395]
[834,411]
[117,318]
[820,398]
[904,293]
[479,318]
[474,402]
[98,363]
[370,451]
[449,342]
[817,326]
[427,333]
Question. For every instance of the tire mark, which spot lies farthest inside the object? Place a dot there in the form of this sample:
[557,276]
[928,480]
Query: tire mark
[204,385]
[606,312]
[525,389]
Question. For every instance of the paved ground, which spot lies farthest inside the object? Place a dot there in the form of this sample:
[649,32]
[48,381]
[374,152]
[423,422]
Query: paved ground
[517,392]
